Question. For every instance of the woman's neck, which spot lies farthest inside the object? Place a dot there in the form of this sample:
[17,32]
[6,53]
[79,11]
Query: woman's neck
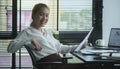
[36,26]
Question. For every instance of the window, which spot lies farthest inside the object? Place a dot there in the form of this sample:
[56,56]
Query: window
[5,34]
[75,15]
[4,6]
[25,19]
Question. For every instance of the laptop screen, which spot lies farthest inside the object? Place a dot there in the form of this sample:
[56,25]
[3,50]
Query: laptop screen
[114,39]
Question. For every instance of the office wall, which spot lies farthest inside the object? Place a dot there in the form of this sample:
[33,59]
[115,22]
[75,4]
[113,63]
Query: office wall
[111,17]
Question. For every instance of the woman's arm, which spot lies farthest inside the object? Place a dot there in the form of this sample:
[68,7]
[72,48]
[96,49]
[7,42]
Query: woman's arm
[67,48]
[18,42]
[15,45]
[36,44]
[22,39]
[62,48]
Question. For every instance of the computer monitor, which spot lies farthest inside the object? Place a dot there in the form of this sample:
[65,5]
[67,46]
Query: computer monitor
[114,38]
[72,37]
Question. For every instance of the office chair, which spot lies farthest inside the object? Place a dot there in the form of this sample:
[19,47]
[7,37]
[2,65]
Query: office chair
[48,65]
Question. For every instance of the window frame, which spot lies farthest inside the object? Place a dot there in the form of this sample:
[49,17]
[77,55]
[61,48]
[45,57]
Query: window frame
[11,34]
[96,21]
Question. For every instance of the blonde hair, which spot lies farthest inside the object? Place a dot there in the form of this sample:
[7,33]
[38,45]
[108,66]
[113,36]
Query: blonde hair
[37,8]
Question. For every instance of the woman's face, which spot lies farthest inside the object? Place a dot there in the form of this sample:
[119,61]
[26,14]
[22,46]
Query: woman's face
[42,17]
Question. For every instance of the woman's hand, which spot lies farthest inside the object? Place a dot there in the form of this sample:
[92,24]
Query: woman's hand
[84,45]
[37,45]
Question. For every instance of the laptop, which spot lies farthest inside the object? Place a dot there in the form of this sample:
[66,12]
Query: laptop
[113,44]
[114,39]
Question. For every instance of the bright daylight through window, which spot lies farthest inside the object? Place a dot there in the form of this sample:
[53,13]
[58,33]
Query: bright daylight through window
[75,15]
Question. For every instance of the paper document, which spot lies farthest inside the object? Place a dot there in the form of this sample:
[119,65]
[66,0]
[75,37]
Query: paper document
[102,51]
[91,51]
[85,39]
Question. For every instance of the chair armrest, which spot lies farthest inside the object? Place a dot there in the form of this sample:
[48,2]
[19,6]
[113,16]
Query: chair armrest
[67,57]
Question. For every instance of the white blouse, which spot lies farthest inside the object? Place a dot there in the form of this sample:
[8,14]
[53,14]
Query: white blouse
[50,45]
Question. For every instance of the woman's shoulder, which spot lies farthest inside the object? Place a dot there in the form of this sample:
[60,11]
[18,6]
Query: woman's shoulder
[29,29]
[47,30]
[25,30]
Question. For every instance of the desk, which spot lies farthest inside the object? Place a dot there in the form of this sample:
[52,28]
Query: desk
[92,63]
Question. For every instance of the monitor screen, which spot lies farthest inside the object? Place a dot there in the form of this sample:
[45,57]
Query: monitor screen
[72,37]
[114,39]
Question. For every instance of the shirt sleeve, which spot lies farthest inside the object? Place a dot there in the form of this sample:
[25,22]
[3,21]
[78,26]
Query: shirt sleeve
[63,48]
[66,48]
[18,42]
[30,45]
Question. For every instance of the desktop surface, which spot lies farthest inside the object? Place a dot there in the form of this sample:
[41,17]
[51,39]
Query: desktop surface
[96,58]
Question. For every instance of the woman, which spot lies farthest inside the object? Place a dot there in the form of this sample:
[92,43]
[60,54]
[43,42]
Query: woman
[40,40]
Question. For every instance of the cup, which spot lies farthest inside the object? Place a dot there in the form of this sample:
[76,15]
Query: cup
[100,42]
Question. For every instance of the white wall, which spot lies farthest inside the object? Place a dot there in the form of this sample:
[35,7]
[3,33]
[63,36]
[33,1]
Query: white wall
[111,17]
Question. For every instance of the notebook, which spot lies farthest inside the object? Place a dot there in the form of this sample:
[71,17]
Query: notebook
[84,40]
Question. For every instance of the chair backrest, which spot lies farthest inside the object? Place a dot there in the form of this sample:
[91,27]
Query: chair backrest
[41,65]
[32,56]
